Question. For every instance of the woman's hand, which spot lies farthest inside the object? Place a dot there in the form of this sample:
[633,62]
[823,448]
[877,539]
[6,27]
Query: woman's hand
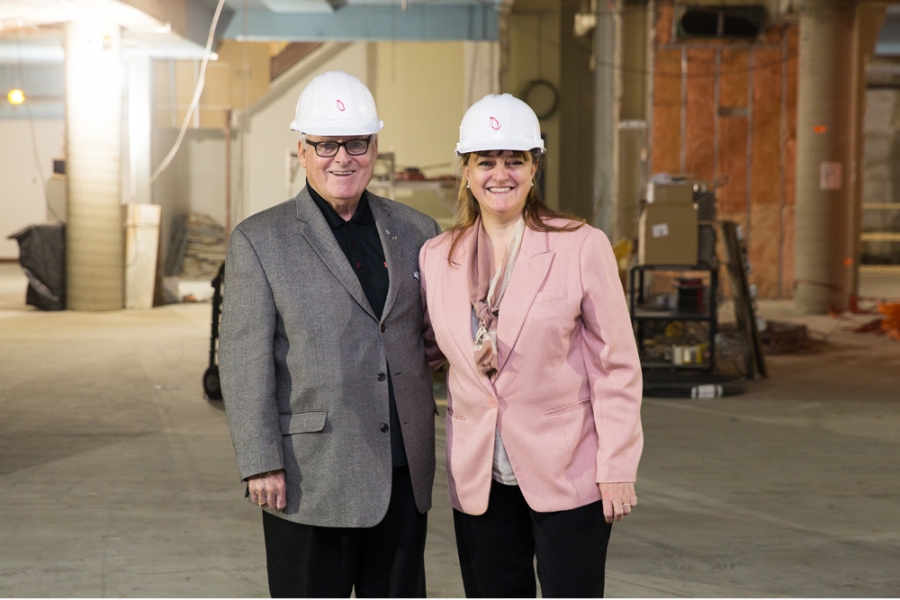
[268,490]
[618,500]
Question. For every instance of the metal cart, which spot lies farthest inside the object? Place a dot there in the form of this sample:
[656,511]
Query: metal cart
[211,377]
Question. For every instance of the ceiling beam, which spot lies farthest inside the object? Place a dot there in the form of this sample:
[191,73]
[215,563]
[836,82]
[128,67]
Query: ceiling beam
[420,22]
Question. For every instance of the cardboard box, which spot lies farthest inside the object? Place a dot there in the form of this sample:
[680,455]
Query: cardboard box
[681,194]
[667,235]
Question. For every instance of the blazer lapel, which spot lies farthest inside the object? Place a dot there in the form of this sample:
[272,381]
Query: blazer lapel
[319,235]
[532,266]
[393,252]
[458,308]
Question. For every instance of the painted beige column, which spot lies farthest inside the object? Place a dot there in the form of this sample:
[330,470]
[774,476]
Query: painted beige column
[825,186]
[94,233]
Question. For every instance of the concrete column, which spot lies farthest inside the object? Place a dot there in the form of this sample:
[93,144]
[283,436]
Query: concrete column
[825,186]
[95,248]
[607,93]
[138,170]
[633,110]
[576,120]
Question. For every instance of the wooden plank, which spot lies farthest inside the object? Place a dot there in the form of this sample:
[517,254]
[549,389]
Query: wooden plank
[788,220]
[763,249]
[250,66]
[790,134]
[667,112]
[765,235]
[701,109]
[731,198]
[765,176]
[744,312]
[733,81]
[880,236]
[787,251]
[664,15]
[880,269]
[291,55]
[881,206]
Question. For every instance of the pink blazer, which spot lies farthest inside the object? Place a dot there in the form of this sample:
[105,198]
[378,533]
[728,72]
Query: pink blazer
[567,395]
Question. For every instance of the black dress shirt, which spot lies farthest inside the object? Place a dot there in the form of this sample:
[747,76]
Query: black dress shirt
[359,240]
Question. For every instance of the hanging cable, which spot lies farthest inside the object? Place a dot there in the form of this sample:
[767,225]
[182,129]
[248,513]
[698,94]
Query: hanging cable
[195,101]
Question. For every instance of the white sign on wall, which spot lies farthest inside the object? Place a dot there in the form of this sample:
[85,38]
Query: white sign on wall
[830,176]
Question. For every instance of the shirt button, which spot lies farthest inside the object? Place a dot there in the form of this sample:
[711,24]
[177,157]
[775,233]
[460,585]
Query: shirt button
[382,328]
[380,377]
[385,428]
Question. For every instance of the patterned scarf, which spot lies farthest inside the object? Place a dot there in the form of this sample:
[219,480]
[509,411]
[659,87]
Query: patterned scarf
[485,293]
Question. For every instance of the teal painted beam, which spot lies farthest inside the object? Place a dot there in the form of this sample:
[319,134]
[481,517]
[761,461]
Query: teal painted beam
[421,22]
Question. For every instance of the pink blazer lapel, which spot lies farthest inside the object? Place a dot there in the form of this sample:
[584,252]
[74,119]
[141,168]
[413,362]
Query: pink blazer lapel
[529,274]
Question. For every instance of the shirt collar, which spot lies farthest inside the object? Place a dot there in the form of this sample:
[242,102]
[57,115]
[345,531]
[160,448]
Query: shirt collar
[360,217]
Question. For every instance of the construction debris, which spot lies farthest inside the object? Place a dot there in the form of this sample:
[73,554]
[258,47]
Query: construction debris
[891,322]
[787,338]
[198,247]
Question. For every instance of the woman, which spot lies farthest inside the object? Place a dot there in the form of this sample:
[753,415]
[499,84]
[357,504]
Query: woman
[544,386]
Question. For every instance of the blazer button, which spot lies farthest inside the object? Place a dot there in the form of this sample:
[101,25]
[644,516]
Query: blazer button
[382,328]
[380,377]
[385,428]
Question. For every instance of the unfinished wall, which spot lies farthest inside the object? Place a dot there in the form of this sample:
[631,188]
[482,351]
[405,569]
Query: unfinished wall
[881,176]
[418,88]
[534,54]
[22,200]
[726,111]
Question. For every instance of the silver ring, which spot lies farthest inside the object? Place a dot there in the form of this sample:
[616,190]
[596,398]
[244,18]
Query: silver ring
[261,503]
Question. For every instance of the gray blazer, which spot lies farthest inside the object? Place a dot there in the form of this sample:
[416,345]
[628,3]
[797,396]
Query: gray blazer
[302,361]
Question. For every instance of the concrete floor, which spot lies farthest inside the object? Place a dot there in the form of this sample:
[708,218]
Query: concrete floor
[118,479]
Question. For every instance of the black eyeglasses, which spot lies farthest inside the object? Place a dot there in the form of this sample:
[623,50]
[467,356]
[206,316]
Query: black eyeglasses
[327,149]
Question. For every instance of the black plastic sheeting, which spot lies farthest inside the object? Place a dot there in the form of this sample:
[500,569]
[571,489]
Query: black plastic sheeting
[42,255]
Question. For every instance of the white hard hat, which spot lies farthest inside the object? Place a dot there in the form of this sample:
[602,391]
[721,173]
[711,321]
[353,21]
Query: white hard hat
[499,122]
[334,104]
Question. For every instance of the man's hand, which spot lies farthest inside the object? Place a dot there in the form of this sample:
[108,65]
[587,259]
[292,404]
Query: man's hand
[618,500]
[267,490]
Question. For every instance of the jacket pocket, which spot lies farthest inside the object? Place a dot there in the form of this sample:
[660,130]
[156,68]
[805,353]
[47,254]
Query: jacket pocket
[568,407]
[308,421]
[551,295]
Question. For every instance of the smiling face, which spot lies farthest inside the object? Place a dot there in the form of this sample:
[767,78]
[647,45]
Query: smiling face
[500,180]
[340,179]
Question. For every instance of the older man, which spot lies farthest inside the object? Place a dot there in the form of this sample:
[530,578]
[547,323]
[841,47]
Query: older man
[326,388]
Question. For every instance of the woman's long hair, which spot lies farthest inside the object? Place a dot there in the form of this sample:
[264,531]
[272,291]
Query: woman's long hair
[536,212]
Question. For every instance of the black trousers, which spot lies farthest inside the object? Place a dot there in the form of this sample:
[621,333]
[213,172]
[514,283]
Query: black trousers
[497,549]
[384,561]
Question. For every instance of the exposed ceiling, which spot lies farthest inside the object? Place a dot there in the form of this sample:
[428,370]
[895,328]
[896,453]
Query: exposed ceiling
[32,31]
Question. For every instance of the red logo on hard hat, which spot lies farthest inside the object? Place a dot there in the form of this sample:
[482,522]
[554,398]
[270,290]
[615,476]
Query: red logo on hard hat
[341,106]
[495,124]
